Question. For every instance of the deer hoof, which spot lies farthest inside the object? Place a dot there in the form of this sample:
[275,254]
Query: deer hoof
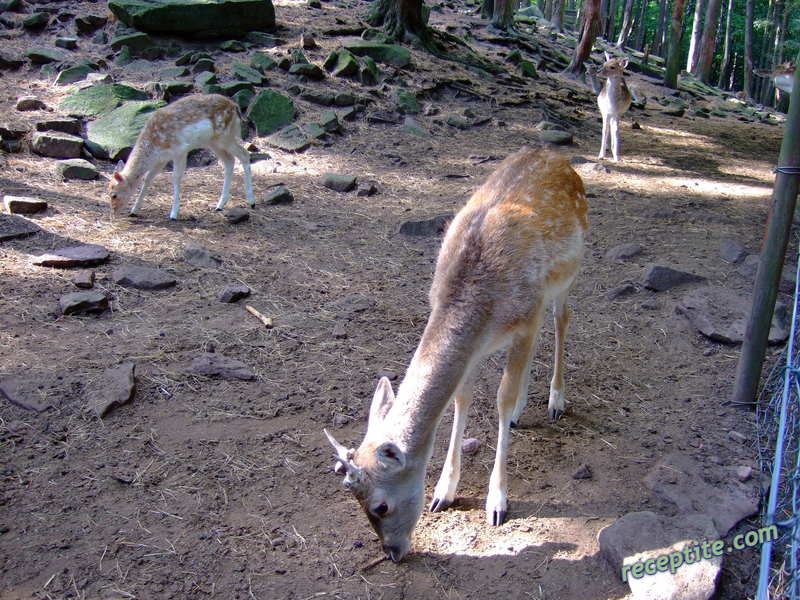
[440,504]
[498,517]
[555,414]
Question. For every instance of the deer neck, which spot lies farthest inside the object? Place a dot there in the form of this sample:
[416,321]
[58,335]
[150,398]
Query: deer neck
[449,345]
[142,159]
[616,90]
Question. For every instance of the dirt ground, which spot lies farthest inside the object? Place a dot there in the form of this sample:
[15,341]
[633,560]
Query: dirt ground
[207,488]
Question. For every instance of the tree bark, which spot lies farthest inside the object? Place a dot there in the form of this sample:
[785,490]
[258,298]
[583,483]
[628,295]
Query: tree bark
[503,14]
[487,8]
[590,26]
[725,67]
[402,19]
[661,29]
[709,41]
[627,23]
[748,48]
[641,25]
[694,41]
[557,15]
[611,19]
[675,44]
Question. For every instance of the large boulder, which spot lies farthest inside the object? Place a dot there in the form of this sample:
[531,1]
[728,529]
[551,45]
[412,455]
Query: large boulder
[98,99]
[195,18]
[114,134]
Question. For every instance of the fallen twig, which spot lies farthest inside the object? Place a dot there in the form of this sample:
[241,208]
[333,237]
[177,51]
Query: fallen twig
[374,563]
[267,321]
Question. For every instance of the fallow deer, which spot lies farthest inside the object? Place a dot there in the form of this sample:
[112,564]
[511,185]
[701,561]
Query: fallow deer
[198,121]
[514,248]
[782,76]
[614,100]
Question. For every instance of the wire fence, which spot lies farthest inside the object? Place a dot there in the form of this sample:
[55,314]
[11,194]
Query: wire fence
[779,456]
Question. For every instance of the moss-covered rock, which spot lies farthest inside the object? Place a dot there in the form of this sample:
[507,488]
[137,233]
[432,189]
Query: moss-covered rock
[269,111]
[114,134]
[99,99]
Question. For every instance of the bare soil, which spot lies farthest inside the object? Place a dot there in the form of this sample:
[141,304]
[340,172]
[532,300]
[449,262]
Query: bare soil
[207,488]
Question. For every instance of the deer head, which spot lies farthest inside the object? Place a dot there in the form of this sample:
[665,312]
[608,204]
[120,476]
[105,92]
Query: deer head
[613,67]
[384,478]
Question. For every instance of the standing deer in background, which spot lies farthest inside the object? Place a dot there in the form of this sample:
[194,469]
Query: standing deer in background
[513,249]
[782,76]
[198,121]
[614,100]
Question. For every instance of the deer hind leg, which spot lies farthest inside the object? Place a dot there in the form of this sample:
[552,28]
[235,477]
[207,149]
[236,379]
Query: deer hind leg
[508,395]
[244,158]
[614,126]
[178,167]
[445,491]
[561,314]
[227,162]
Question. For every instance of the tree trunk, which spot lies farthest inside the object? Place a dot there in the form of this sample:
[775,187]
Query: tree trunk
[725,67]
[611,19]
[709,41]
[627,23]
[748,48]
[503,14]
[694,41]
[590,26]
[487,8]
[675,44]
[557,16]
[661,29]
[641,25]
[402,19]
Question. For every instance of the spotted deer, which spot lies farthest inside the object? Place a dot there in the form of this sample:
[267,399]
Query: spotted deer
[782,76]
[513,249]
[614,100]
[198,121]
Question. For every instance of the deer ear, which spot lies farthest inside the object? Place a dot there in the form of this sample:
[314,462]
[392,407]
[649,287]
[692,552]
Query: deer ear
[608,56]
[382,401]
[120,166]
[390,456]
[623,62]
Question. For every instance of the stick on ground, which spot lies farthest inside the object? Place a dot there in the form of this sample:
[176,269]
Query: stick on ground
[267,321]
[373,563]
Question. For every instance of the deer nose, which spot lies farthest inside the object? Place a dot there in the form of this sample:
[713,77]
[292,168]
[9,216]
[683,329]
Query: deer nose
[392,552]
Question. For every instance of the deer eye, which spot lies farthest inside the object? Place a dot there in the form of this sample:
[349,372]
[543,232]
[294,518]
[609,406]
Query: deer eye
[381,509]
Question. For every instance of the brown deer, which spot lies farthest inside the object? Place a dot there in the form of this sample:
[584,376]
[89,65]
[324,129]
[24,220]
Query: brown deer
[614,100]
[513,249]
[197,121]
[782,76]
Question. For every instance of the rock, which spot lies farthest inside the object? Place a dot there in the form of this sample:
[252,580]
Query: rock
[233,293]
[406,102]
[339,183]
[225,18]
[204,65]
[44,56]
[644,536]
[527,69]
[308,70]
[114,134]
[307,41]
[732,251]
[457,122]
[85,255]
[397,56]
[36,21]
[70,126]
[75,303]
[88,24]
[410,125]
[369,74]
[367,188]
[721,315]
[675,111]
[8,63]
[24,393]
[216,365]
[56,145]
[291,138]
[136,42]
[280,195]
[83,280]
[232,46]
[270,111]
[584,472]
[237,215]
[556,136]
[247,73]
[661,278]
[100,98]
[737,437]
[73,74]
[726,502]
[341,63]
[23,205]
[329,121]
[28,103]
[114,388]
[470,446]
[339,331]
[263,61]
[12,226]
[749,266]
[353,303]
[621,291]
[143,278]
[77,168]
[624,251]
[435,226]
[744,473]
[198,256]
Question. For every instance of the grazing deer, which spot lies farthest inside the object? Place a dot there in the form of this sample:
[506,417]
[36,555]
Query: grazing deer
[614,100]
[782,76]
[514,248]
[197,121]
